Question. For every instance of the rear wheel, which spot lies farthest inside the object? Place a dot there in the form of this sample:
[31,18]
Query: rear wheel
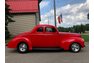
[22,47]
[75,47]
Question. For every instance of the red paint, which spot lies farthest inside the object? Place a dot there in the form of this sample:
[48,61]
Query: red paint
[20,6]
[46,39]
[60,18]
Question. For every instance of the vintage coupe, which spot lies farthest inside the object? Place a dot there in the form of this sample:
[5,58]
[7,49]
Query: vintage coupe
[47,36]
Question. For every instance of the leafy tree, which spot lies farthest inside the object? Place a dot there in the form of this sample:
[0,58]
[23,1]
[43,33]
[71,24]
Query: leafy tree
[88,16]
[8,19]
[76,28]
[87,27]
[82,28]
[60,29]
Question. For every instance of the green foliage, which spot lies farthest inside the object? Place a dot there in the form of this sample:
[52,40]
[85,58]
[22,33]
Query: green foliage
[8,16]
[77,28]
[8,19]
[88,16]
[7,34]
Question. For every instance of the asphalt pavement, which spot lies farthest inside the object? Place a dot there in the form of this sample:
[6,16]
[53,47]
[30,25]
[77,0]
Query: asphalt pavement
[47,56]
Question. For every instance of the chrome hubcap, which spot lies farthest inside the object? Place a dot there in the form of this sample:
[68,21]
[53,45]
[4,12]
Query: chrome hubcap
[22,47]
[75,47]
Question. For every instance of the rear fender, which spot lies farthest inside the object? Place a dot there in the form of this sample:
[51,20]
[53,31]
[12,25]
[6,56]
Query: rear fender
[65,43]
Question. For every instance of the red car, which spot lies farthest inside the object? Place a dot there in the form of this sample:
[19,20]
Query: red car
[46,36]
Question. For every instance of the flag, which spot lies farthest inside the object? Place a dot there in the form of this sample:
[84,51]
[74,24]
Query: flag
[60,18]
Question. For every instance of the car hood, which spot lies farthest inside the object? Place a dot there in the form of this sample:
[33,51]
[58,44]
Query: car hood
[68,34]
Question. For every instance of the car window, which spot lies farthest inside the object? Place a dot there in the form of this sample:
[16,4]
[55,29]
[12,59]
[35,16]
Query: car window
[40,29]
[49,29]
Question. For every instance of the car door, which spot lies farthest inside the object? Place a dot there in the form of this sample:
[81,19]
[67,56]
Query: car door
[37,37]
[51,37]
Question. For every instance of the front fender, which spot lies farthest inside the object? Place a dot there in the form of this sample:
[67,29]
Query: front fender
[15,41]
[65,43]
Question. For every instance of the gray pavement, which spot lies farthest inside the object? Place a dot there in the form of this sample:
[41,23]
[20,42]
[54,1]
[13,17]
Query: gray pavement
[48,56]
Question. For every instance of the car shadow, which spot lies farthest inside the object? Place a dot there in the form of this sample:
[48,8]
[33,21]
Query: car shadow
[41,50]
[46,50]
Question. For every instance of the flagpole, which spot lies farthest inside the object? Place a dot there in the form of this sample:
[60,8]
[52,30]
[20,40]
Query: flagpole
[55,13]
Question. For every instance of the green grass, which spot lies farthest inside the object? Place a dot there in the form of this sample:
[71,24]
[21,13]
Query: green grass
[86,37]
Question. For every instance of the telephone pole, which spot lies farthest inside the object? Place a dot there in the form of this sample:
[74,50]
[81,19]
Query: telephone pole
[55,13]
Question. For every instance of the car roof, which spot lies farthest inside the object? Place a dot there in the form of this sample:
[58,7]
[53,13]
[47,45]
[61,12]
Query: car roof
[42,25]
[45,25]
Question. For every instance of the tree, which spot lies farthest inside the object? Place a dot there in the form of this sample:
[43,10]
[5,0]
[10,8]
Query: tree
[8,19]
[76,28]
[82,28]
[61,29]
[87,27]
[88,16]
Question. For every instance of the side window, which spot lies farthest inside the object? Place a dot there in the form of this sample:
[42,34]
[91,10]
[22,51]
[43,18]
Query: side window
[49,29]
[40,29]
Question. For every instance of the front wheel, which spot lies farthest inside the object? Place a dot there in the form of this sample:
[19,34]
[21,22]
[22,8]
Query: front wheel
[75,47]
[22,47]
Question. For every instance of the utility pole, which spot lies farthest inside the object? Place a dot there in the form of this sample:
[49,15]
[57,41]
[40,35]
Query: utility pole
[55,13]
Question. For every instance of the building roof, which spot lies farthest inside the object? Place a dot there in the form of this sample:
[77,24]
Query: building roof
[22,6]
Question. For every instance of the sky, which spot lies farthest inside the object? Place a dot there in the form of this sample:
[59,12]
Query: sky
[74,12]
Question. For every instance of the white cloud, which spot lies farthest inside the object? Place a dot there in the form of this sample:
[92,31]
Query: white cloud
[73,14]
[43,4]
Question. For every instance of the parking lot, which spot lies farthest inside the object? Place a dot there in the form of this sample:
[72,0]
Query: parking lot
[48,56]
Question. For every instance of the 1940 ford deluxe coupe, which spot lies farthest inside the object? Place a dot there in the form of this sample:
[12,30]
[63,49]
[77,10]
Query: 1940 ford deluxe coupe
[46,36]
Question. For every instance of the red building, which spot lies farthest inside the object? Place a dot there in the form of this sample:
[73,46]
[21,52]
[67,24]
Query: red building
[26,15]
